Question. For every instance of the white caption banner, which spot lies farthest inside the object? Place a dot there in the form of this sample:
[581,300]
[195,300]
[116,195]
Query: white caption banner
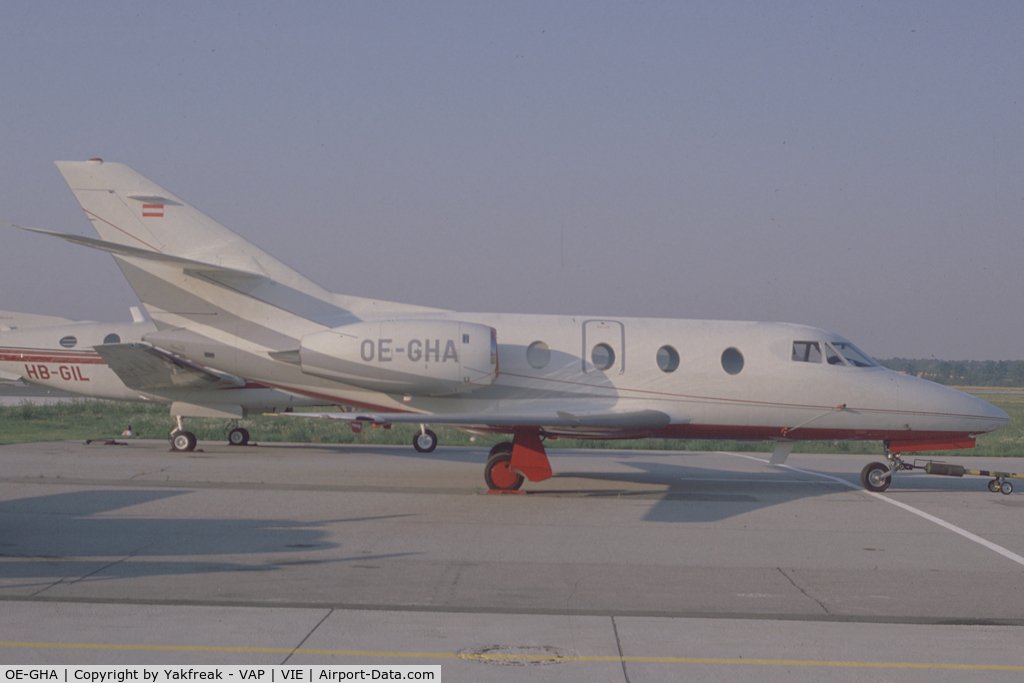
[253,674]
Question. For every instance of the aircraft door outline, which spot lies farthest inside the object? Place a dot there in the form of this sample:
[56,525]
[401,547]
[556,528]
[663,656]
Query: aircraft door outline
[610,333]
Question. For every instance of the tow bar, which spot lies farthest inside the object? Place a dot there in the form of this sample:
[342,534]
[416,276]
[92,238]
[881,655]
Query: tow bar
[876,476]
[997,485]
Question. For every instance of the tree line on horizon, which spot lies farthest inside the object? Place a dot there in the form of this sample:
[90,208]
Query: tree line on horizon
[966,373]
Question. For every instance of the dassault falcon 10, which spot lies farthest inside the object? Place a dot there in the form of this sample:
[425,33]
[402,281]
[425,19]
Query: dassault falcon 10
[223,303]
[108,361]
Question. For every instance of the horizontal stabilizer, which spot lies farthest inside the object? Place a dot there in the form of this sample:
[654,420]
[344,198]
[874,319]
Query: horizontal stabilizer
[124,250]
[257,285]
[144,368]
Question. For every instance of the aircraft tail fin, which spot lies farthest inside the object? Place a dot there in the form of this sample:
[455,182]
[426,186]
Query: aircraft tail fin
[127,208]
[148,229]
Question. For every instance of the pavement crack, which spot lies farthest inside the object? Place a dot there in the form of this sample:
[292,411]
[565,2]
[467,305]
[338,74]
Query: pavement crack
[103,568]
[311,632]
[622,657]
[47,587]
[84,576]
[806,594]
[145,473]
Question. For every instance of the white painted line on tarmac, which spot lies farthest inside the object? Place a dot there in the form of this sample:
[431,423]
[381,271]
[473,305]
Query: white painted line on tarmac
[920,513]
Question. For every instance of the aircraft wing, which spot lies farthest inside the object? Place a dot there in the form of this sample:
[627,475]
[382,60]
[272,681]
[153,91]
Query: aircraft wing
[592,420]
[145,368]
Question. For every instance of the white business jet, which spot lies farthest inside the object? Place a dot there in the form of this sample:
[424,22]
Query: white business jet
[109,361]
[219,300]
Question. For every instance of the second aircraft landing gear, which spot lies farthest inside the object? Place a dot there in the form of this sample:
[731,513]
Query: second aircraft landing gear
[425,441]
[238,436]
[180,439]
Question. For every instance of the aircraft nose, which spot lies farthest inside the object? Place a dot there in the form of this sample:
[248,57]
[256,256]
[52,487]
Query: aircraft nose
[996,414]
[949,409]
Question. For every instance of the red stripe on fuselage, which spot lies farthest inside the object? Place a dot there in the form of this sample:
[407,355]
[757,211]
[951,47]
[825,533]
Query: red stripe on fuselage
[49,356]
[735,401]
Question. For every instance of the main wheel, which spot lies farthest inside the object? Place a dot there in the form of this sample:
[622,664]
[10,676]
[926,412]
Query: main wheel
[498,474]
[425,441]
[993,486]
[873,477]
[1006,488]
[238,436]
[184,441]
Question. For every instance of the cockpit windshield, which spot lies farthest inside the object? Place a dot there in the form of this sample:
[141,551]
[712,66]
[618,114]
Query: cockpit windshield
[851,354]
[807,351]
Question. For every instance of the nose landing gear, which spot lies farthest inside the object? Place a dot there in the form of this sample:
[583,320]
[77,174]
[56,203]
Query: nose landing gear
[877,477]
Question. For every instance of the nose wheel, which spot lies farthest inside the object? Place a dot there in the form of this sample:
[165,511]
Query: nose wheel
[876,477]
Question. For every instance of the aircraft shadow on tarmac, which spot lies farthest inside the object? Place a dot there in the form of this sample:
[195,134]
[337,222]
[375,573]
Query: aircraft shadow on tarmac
[681,493]
[700,494]
[62,536]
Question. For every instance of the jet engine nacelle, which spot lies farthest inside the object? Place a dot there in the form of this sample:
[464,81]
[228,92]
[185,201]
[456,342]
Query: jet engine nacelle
[415,357]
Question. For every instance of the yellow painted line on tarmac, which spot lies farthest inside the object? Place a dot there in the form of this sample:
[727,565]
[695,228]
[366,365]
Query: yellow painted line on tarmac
[500,657]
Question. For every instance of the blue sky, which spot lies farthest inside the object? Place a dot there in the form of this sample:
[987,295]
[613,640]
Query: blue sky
[855,167]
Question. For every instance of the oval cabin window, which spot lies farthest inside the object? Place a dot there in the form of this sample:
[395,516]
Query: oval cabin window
[732,361]
[538,355]
[603,357]
[668,359]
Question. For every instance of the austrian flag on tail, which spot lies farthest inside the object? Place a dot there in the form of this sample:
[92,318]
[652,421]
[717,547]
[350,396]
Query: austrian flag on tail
[152,210]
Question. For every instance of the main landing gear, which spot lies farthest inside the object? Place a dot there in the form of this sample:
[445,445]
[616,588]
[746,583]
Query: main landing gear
[498,472]
[511,463]
[877,476]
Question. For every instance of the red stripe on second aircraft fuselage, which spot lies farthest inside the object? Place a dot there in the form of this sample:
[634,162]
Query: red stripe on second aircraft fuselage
[46,356]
